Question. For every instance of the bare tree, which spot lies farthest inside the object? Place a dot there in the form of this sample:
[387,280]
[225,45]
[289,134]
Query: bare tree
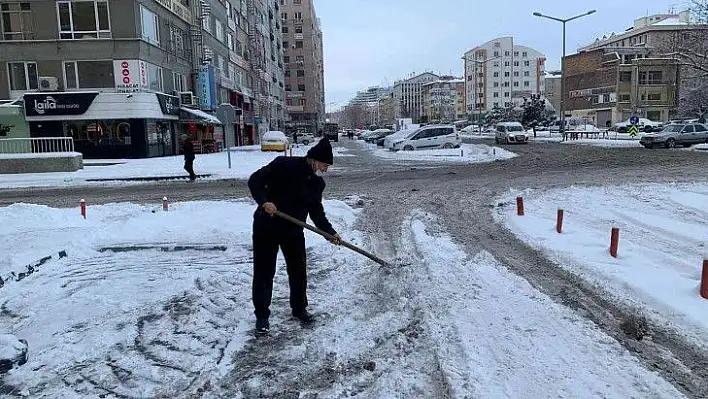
[355,115]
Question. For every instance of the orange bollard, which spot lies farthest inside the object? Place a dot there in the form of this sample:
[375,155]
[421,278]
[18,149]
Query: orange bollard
[519,206]
[83,208]
[704,280]
[614,241]
[559,221]
[165,206]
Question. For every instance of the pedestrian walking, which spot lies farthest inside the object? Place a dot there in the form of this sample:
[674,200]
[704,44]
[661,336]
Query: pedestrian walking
[188,150]
[294,186]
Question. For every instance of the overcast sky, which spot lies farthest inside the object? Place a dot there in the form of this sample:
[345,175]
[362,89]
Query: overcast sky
[375,42]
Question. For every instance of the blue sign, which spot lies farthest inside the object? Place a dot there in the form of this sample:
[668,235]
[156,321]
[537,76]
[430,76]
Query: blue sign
[206,87]
[634,120]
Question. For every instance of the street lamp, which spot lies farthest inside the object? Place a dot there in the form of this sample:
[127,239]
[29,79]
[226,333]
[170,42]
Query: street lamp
[562,99]
[474,75]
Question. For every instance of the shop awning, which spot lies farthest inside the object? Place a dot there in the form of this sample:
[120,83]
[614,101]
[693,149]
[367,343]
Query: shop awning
[198,115]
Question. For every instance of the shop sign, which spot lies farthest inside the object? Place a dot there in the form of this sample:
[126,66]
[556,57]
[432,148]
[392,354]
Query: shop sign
[207,87]
[168,104]
[177,8]
[58,103]
[130,75]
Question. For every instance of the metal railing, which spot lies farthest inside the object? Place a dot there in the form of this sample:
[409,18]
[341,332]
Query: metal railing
[36,145]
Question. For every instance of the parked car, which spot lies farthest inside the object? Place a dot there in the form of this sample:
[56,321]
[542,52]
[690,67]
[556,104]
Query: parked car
[429,137]
[644,125]
[399,135]
[510,132]
[274,140]
[676,134]
[305,138]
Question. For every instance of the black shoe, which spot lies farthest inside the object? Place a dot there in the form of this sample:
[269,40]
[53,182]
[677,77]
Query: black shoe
[262,326]
[304,316]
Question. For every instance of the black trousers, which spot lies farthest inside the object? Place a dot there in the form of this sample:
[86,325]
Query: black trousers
[189,167]
[265,252]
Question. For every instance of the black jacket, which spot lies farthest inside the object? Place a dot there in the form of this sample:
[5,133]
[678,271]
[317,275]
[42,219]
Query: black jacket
[290,184]
[188,149]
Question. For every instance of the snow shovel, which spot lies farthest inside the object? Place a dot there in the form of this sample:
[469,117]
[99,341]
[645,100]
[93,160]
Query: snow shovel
[331,238]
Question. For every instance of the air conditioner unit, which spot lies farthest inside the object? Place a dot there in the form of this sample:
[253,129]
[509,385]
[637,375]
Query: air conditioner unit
[186,98]
[48,83]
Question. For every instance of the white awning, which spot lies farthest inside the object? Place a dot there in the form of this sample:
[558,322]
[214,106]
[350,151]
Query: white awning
[201,115]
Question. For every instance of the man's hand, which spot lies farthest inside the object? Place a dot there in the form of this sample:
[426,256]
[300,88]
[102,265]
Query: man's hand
[336,239]
[270,208]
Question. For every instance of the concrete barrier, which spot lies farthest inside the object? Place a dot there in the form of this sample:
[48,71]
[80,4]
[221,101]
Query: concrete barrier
[41,162]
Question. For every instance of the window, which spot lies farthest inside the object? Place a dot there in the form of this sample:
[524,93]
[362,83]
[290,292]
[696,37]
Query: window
[179,83]
[698,128]
[506,94]
[506,63]
[654,97]
[206,22]
[151,26]
[496,64]
[300,73]
[300,87]
[516,63]
[303,102]
[527,73]
[516,53]
[507,74]
[506,84]
[298,29]
[283,16]
[286,45]
[496,84]
[154,75]
[297,2]
[516,84]
[286,59]
[625,77]
[287,73]
[527,84]
[298,16]
[83,19]
[496,54]
[516,73]
[506,53]
[527,63]
[230,42]
[288,88]
[177,40]
[624,98]
[23,75]
[496,74]
[219,31]
[300,59]
[496,94]
[88,74]
[285,29]
[299,44]
[524,54]
[16,21]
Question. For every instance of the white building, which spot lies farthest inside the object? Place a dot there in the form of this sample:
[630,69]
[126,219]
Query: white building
[370,96]
[499,73]
[408,96]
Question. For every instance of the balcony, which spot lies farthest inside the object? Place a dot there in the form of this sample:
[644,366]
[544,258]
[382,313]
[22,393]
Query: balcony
[295,108]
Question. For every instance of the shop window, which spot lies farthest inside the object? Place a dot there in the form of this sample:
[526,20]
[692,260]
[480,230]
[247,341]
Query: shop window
[108,133]
[23,75]
[16,21]
[88,74]
[83,19]
[151,26]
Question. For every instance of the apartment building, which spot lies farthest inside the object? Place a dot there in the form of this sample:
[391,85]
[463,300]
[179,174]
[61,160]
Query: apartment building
[500,73]
[126,78]
[444,100]
[371,95]
[408,96]
[627,74]
[304,66]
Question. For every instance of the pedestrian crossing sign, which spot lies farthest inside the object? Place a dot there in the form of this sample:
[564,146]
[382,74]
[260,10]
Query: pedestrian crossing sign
[633,130]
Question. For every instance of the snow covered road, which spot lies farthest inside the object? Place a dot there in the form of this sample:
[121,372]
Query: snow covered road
[150,303]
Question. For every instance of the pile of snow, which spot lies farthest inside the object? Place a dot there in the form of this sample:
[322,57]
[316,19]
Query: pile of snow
[13,352]
[662,245]
[244,161]
[467,153]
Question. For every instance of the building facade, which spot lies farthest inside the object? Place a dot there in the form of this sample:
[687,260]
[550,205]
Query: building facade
[408,96]
[304,66]
[552,89]
[371,95]
[444,100]
[500,73]
[126,78]
[630,73]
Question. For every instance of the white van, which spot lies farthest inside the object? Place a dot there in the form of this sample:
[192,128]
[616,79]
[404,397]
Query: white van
[510,132]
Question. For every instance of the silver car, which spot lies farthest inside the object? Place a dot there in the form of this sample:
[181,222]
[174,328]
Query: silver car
[676,134]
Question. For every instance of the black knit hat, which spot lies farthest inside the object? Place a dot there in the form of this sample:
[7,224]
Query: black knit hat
[322,151]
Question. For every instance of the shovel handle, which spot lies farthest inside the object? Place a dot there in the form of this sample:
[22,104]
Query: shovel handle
[330,237]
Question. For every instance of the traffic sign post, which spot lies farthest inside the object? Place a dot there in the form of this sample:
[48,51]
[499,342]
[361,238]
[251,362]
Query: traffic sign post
[633,130]
[227,115]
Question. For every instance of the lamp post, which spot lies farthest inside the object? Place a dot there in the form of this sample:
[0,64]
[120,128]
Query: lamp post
[476,64]
[562,99]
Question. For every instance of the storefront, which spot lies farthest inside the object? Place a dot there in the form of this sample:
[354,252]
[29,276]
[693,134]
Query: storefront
[107,125]
[203,128]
